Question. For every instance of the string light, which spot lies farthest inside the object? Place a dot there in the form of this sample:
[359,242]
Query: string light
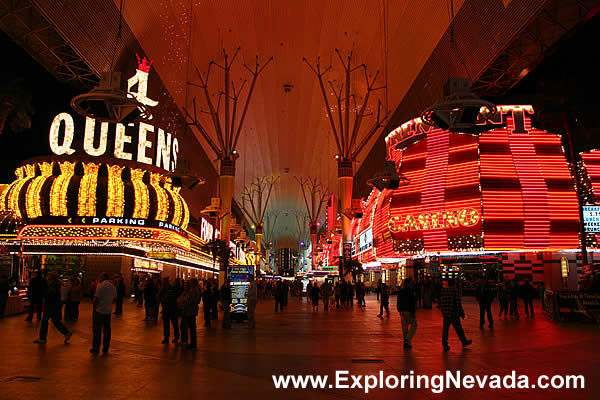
[162,206]
[33,205]
[87,190]
[58,192]
[116,192]
[142,195]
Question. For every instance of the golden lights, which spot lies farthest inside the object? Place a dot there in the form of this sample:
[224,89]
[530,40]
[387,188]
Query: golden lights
[116,192]
[35,181]
[87,190]
[162,199]
[58,192]
[32,198]
[142,195]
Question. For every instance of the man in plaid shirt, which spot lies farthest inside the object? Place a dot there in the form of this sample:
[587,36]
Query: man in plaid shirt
[452,311]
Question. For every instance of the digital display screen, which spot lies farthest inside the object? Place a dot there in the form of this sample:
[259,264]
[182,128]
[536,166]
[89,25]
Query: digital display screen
[591,218]
[238,281]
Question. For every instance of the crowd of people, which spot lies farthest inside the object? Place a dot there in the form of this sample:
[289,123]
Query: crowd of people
[179,302]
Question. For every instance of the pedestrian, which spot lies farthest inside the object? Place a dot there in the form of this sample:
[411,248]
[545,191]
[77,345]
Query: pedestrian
[485,294]
[428,294]
[513,294]
[337,294]
[188,301]
[252,298]
[4,288]
[315,295]
[384,297]
[74,295]
[105,296]
[279,296]
[52,310]
[120,285]
[503,298]
[150,299]
[326,293]
[208,296]
[169,293]
[378,288]
[36,291]
[225,299]
[527,291]
[452,312]
[407,307]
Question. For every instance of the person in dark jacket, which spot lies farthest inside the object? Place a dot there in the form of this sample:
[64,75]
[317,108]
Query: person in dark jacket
[74,296]
[169,293]
[513,295]
[4,288]
[52,305]
[150,299]
[279,296]
[225,299]
[384,303]
[208,296]
[503,298]
[120,285]
[188,302]
[485,294]
[36,292]
[452,312]
[527,291]
[315,295]
[407,307]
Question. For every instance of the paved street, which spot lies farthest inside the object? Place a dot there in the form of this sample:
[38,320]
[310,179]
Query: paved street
[239,363]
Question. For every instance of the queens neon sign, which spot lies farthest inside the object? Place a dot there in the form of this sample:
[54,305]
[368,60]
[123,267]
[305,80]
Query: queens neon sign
[148,145]
[465,217]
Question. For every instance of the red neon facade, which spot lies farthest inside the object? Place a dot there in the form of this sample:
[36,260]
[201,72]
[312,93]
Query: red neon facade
[508,188]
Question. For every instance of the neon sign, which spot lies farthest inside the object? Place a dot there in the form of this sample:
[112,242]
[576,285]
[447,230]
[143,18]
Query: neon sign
[437,220]
[148,145]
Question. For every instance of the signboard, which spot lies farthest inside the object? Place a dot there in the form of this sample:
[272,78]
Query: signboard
[577,304]
[140,142]
[162,255]
[110,221]
[347,251]
[147,266]
[364,240]
[591,218]
[238,281]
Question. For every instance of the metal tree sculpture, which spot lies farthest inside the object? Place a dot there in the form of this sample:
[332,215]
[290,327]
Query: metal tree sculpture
[315,196]
[270,241]
[302,220]
[255,199]
[226,125]
[350,139]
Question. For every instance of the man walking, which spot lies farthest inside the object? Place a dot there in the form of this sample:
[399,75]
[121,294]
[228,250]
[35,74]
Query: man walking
[120,285]
[36,292]
[326,293]
[52,310]
[4,288]
[452,311]
[385,301]
[169,293]
[189,301]
[527,295]
[252,298]
[485,295]
[407,307]
[225,298]
[104,297]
